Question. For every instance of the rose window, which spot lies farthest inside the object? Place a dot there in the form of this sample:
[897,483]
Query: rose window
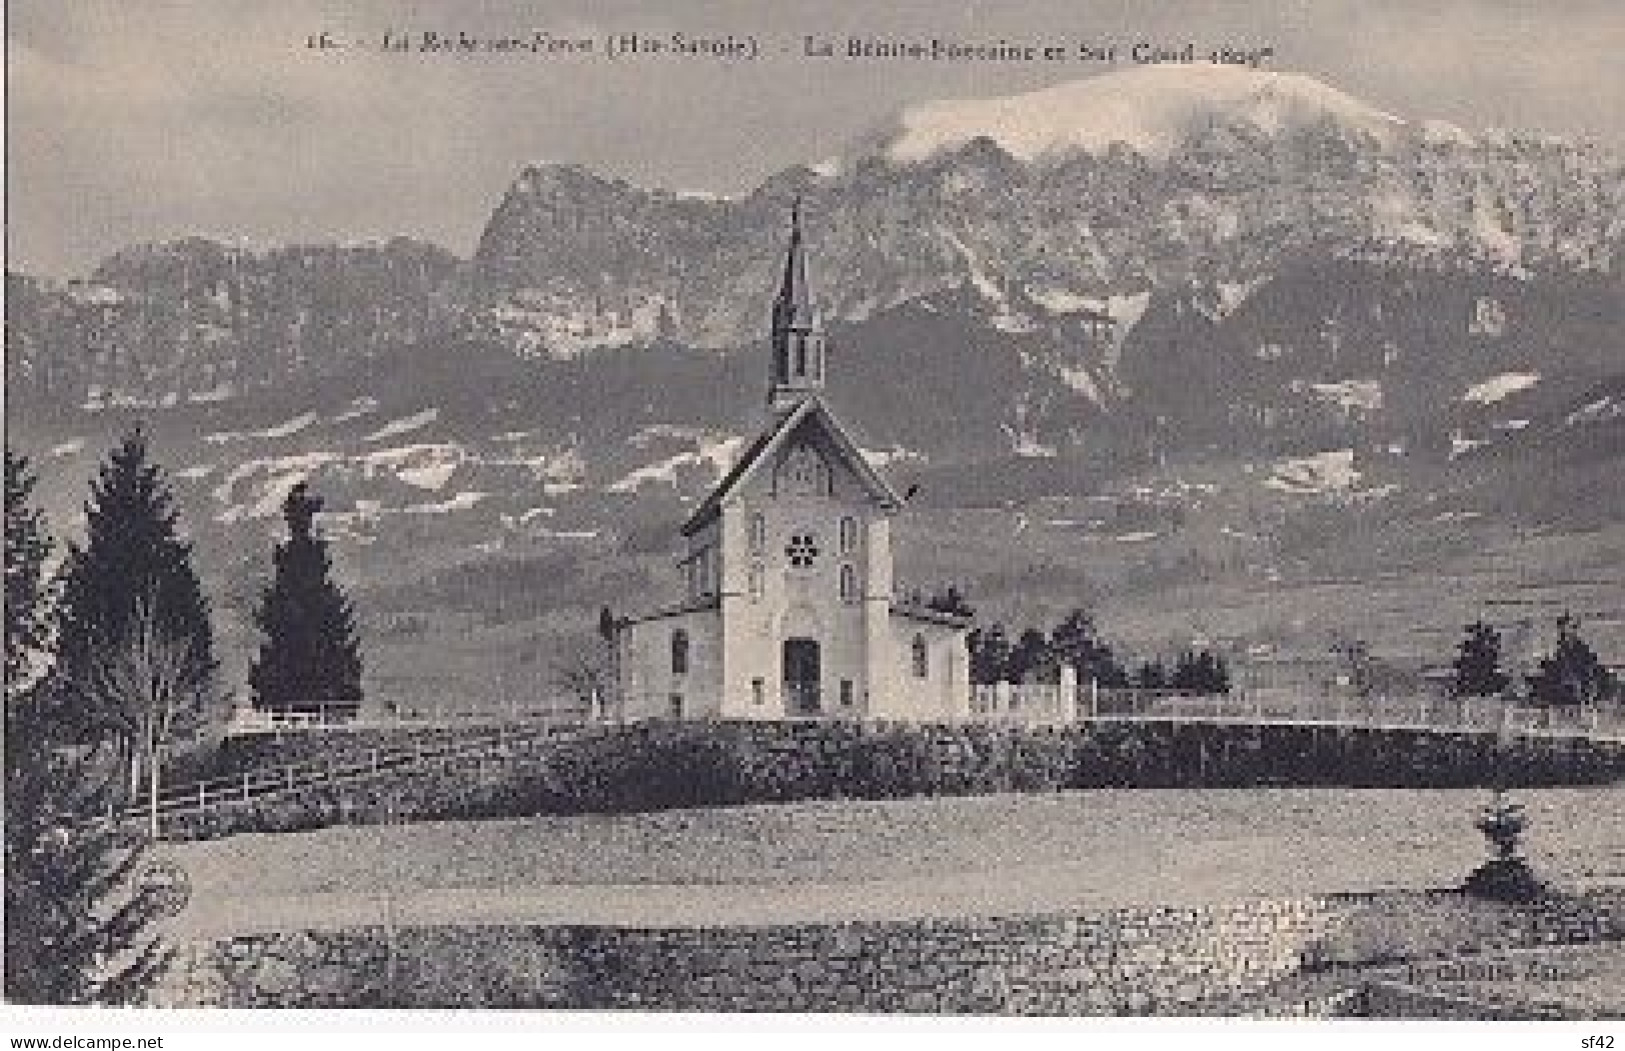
[802,550]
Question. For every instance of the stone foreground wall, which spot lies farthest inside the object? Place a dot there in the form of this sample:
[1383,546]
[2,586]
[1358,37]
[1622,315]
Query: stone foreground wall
[1233,958]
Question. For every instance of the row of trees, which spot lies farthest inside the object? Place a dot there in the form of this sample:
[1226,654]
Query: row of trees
[110,667]
[1037,656]
[1572,675]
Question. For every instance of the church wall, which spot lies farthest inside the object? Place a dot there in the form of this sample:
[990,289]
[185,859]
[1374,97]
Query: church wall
[944,691]
[769,599]
[649,683]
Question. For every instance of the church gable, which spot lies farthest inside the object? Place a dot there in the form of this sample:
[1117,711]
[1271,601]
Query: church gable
[807,451]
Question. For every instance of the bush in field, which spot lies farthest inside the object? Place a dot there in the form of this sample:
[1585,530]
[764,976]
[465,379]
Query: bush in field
[1506,876]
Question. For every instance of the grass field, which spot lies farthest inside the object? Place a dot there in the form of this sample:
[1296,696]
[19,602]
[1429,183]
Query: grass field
[1005,854]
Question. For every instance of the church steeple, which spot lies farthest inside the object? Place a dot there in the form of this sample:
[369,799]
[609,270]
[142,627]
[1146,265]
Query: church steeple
[796,366]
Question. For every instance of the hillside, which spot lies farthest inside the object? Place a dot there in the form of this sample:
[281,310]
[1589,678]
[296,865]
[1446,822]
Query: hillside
[1223,354]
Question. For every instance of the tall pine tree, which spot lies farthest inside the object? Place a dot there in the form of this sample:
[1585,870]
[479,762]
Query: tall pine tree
[28,545]
[74,917]
[1478,664]
[130,587]
[78,914]
[1573,675]
[310,660]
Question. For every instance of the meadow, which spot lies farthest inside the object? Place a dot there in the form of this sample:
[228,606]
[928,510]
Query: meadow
[1007,854]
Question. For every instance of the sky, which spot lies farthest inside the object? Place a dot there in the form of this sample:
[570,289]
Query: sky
[141,120]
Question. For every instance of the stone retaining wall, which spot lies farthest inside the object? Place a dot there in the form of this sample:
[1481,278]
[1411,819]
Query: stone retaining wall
[1239,958]
[656,766]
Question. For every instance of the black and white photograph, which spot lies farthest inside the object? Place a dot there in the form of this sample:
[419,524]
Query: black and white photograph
[1043,509]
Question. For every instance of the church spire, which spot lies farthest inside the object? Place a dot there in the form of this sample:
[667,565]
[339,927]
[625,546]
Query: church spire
[796,368]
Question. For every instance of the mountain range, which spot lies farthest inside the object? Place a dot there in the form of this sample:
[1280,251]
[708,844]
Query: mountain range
[1181,326]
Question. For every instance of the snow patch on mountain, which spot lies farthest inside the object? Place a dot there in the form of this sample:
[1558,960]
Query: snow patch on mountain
[1598,411]
[1152,110]
[895,454]
[404,425]
[361,406]
[267,481]
[420,466]
[217,393]
[1325,472]
[1349,395]
[1025,443]
[67,448]
[463,501]
[1498,387]
[285,429]
[717,455]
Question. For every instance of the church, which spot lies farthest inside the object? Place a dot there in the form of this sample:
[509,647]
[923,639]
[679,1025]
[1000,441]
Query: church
[791,610]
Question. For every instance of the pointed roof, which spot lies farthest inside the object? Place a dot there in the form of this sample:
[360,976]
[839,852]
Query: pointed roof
[793,286]
[811,409]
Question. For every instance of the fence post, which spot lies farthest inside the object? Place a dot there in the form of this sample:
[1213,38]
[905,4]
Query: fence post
[373,758]
[1094,698]
[245,786]
[1069,694]
[202,794]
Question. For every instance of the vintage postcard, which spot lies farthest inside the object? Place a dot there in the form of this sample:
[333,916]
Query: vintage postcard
[1066,509]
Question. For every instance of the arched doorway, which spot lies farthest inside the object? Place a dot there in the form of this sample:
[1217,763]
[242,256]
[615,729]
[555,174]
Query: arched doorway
[802,676]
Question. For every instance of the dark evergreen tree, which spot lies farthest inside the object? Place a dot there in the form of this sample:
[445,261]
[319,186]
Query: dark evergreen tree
[310,660]
[989,654]
[952,602]
[1032,659]
[1572,675]
[74,920]
[1201,672]
[131,584]
[77,912]
[1076,641]
[28,545]
[1151,675]
[1478,664]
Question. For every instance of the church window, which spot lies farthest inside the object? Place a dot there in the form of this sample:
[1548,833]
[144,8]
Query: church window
[758,533]
[849,534]
[849,584]
[847,693]
[922,660]
[758,692]
[675,701]
[679,652]
[802,550]
[757,581]
[805,472]
[801,356]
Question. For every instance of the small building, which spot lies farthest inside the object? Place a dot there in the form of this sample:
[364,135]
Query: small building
[791,608]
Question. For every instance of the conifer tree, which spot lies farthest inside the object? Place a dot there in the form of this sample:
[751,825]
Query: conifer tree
[28,545]
[131,586]
[989,654]
[1572,675]
[74,917]
[1151,675]
[310,660]
[77,912]
[1478,663]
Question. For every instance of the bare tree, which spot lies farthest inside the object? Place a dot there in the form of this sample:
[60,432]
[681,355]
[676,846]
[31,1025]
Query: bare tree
[146,681]
[584,674]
